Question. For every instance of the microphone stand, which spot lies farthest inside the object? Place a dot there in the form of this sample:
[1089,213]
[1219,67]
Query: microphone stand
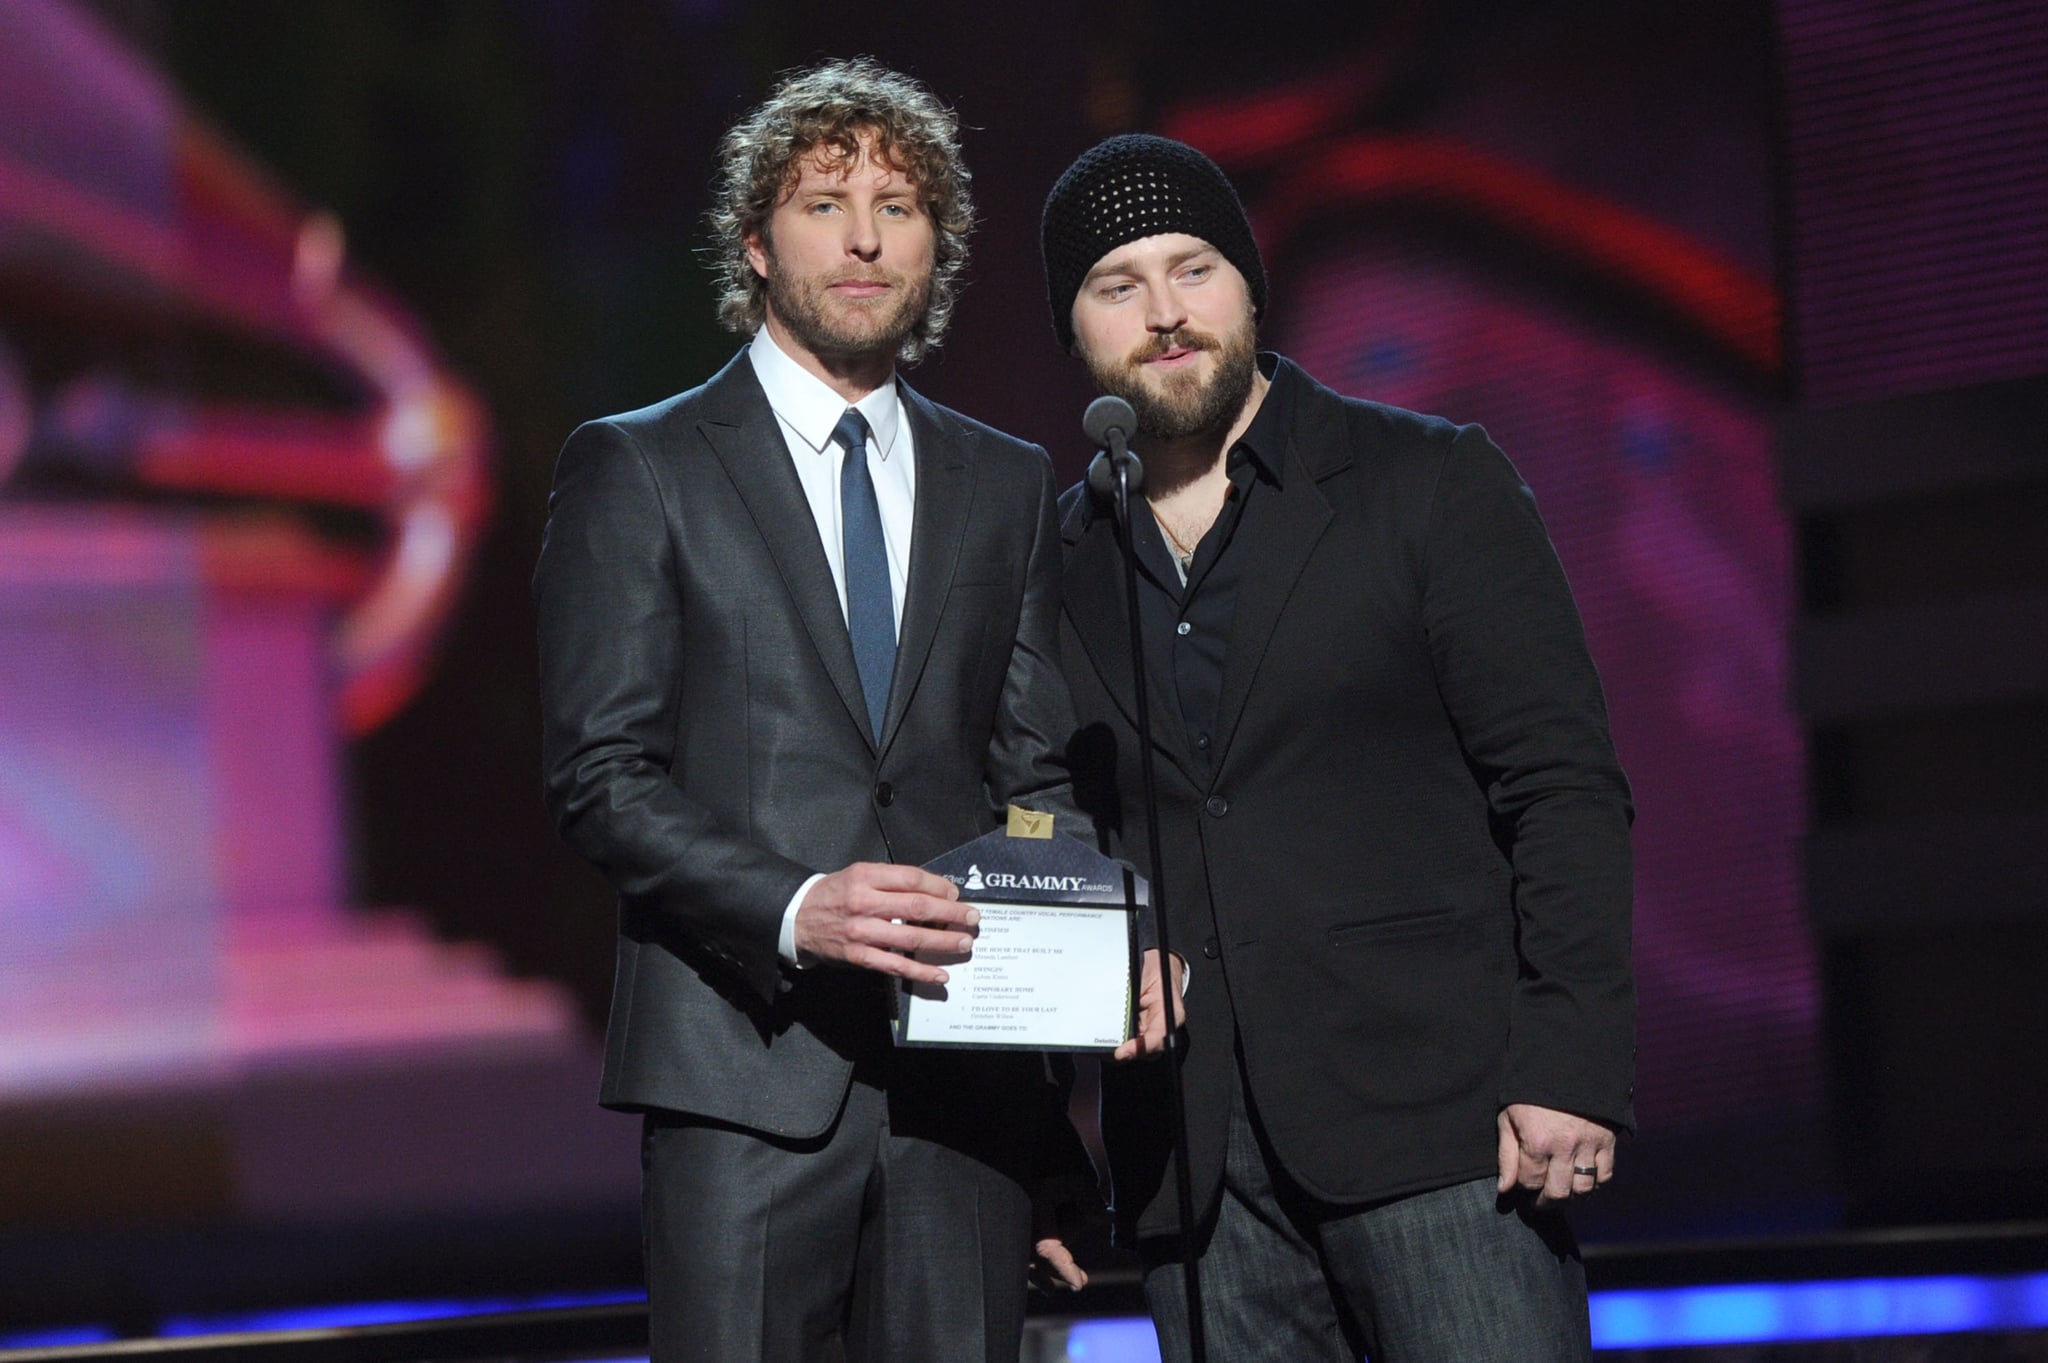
[1118,472]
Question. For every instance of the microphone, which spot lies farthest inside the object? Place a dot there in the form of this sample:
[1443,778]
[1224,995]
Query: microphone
[1108,424]
[1114,475]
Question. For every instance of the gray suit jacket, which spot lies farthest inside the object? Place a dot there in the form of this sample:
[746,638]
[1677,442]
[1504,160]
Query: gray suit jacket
[706,745]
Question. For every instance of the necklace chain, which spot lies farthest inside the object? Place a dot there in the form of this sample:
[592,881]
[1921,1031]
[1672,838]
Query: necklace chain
[1181,550]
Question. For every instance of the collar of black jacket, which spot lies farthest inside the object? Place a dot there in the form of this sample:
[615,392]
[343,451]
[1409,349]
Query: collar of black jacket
[1300,427]
[1264,443]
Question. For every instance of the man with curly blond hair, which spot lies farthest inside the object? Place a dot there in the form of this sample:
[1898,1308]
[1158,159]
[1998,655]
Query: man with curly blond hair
[797,633]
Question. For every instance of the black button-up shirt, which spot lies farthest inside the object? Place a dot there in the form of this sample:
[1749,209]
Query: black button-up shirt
[1187,626]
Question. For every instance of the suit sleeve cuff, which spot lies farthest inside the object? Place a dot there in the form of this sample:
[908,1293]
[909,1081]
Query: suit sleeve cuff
[785,942]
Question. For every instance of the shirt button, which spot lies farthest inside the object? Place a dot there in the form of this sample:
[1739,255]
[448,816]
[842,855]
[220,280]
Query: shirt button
[885,794]
[1202,741]
[1217,806]
[1182,628]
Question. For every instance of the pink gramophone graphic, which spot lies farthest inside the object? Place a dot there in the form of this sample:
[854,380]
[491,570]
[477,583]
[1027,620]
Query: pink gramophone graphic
[202,591]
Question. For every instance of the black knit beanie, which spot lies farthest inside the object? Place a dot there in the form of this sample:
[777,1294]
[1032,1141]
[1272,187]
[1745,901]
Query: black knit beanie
[1133,186]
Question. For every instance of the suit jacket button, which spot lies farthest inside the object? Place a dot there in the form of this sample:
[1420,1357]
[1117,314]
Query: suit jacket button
[1217,806]
[885,794]
[1210,949]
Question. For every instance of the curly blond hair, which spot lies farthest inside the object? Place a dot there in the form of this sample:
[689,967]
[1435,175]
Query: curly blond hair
[834,106]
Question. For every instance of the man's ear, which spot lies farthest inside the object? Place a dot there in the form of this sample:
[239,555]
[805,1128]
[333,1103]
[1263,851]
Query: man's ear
[756,243]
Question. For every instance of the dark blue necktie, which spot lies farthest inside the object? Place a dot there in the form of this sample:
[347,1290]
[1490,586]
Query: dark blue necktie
[870,610]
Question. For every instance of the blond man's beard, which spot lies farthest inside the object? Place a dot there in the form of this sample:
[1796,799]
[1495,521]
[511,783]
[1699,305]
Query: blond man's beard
[805,306]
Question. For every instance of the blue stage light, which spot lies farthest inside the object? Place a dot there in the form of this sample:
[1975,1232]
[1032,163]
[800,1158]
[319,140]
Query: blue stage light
[1742,1313]
[1762,1313]
[58,1337]
[1745,1313]
[1121,1340]
[348,1314]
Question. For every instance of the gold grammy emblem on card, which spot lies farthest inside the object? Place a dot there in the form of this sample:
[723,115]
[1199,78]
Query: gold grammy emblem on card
[1029,823]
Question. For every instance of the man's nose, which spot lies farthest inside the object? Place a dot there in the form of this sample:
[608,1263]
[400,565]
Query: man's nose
[862,238]
[1164,310]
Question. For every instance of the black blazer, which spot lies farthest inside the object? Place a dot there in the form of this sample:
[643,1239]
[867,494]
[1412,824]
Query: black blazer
[705,743]
[1407,883]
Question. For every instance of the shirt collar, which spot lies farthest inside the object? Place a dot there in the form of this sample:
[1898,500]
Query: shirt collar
[1264,442]
[808,406]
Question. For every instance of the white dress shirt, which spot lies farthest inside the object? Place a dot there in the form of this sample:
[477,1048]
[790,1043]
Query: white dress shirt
[807,409]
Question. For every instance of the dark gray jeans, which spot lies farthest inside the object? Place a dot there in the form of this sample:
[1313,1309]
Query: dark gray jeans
[1456,1275]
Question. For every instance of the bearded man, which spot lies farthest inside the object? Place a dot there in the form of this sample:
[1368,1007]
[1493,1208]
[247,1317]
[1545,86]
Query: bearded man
[797,637]
[1394,832]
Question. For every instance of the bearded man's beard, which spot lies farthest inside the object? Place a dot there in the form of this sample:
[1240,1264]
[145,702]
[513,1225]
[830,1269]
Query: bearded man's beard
[1176,406]
[824,325]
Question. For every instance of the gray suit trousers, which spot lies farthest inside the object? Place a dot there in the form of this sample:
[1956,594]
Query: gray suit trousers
[879,1240]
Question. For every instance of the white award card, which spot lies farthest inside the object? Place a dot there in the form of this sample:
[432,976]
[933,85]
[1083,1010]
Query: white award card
[1040,977]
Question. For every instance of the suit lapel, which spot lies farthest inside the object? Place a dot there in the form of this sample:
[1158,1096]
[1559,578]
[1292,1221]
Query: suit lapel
[1095,604]
[945,494]
[741,429]
[1276,548]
